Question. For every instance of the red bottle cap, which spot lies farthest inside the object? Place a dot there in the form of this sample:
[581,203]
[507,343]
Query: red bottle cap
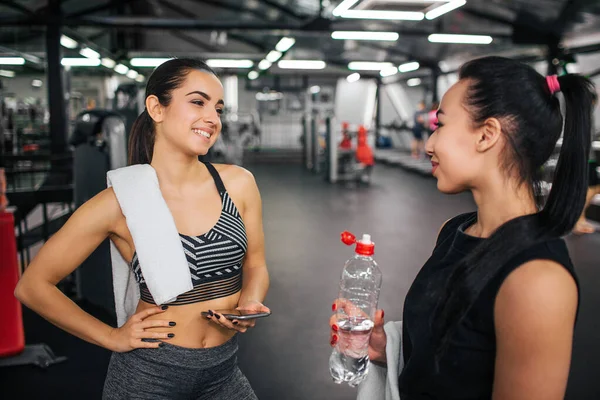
[364,247]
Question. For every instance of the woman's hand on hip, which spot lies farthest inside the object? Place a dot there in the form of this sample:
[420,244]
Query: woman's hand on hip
[129,336]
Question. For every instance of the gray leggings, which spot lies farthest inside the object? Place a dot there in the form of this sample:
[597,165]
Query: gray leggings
[174,372]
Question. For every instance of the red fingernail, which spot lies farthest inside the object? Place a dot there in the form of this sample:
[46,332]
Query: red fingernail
[334,307]
[335,327]
[334,339]
[382,313]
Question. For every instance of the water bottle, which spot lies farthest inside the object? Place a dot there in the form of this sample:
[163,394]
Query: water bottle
[357,302]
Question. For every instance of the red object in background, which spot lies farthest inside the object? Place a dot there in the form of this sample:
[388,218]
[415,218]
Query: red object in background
[364,153]
[346,143]
[12,339]
[31,147]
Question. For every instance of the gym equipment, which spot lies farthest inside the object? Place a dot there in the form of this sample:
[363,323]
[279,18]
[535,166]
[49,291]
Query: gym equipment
[99,139]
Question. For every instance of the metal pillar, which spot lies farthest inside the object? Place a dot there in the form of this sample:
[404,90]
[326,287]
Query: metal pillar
[332,157]
[378,111]
[308,145]
[56,96]
[435,75]
[316,165]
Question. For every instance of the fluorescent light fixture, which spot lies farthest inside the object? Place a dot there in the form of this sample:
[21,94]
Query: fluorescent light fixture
[147,62]
[80,62]
[273,56]
[343,7]
[315,89]
[446,8]
[121,69]
[132,74]
[12,61]
[264,64]
[387,15]
[353,77]
[252,75]
[410,66]
[365,35]
[301,64]
[388,71]
[89,53]
[36,83]
[271,96]
[140,78]
[369,65]
[108,63]
[413,82]
[7,74]
[284,44]
[451,38]
[67,42]
[227,63]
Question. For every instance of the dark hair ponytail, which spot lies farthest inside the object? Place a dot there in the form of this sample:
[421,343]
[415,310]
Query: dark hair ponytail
[141,140]
[531,119]
[166,77]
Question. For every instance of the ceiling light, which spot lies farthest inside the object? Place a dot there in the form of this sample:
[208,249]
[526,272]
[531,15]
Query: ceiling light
[108,63]
[315,89]
[413,82]
[388,71]
[410,66]
[264,64]
[147,62]
[451,38]
[446,8]
[121,69]
[252,75]
[364,35]
[89,53]
[140,78]
[369,65]
[36,83]
[284,44]
[80,62]
[388,15]
[227,63]
[67,42]
[273,56]
[132,74]
[12,61]
[343,7]
[301,64]
[7,74]
[353,77]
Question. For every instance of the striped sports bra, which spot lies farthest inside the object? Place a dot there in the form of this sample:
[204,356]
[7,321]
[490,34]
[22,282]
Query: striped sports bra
[215,258]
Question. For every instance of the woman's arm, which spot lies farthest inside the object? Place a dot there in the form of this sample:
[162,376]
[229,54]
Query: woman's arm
[534,318]
[62,254]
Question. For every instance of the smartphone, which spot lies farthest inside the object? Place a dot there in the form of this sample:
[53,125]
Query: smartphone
[239,314]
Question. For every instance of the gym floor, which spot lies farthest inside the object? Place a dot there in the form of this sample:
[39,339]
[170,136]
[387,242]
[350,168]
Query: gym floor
[286,356]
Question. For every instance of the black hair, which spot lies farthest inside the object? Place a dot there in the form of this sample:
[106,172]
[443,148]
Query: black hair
[164,79]
[531,120]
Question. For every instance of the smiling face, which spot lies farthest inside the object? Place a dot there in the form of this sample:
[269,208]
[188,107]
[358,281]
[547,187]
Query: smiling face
[191,122]
[453,146]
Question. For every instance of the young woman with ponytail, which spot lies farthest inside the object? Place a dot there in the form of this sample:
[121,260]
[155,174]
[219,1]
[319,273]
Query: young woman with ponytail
[170,352]
[491,313]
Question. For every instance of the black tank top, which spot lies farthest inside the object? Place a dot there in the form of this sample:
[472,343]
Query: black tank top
[466,370]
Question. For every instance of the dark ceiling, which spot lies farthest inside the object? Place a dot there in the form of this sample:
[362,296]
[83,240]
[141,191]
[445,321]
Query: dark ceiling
[250,28]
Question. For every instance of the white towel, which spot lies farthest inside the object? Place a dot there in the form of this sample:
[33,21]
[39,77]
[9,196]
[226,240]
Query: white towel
[157,242]
[382,383]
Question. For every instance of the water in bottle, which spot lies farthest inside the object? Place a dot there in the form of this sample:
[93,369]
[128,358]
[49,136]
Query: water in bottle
[356,305]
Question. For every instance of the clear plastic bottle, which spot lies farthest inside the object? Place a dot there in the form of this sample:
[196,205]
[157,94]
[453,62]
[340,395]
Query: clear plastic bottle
[356,305]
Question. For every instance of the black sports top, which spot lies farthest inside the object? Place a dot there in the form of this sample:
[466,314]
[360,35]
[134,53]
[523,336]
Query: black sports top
[466,370]
[215,258]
